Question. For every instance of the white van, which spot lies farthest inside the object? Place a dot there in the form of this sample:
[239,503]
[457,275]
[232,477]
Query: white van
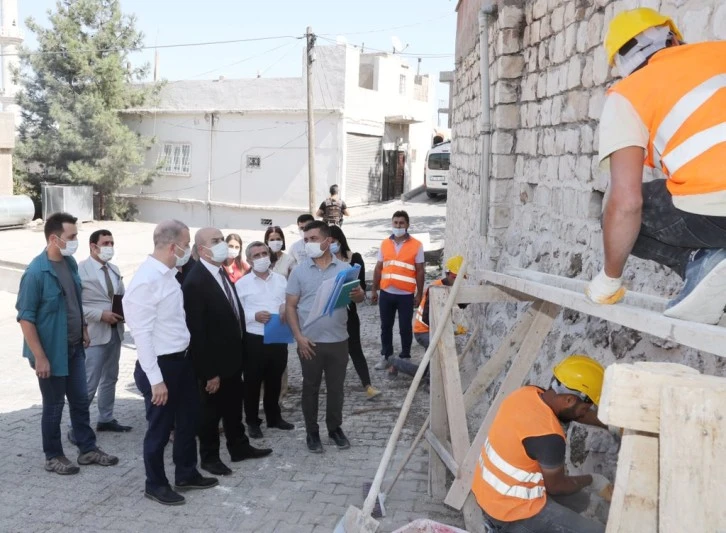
[436,173]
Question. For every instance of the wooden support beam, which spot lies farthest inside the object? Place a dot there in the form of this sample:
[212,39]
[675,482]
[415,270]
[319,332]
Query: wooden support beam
[439,421]
[521,365]
[634,507]
[692,466]
[481,294]
[451,378]
[704,337]
[631,394]
[442,450]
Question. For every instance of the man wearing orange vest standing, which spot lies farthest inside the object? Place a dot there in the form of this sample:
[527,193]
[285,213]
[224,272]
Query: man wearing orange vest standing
[399,274]
[668,113]
[520,480]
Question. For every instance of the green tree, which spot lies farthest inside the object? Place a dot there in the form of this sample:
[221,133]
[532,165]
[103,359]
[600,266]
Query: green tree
[73,87]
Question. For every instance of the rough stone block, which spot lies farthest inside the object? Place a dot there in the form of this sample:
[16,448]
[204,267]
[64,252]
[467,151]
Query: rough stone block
[574,72]
[587,73]
[506,117]
[508,41]
[500,190]
[548,141]
[541,85]
[594,30]
[576,108]
[539,9]
[570,40]
[557,48]
[545,113]
[586,138]
[583,169]
[597,100]
[601,69]
[556,112]
[505,92]
[500,216]
[557,19]
[509,67]
[502,142]
[719,22]
[696,21]
[545,29]
[529,88]
[543,59]
[503,166]
[553,81]
[526,142]
[570,13]
[582,38]
[567,166]
[510,16]
[534,32]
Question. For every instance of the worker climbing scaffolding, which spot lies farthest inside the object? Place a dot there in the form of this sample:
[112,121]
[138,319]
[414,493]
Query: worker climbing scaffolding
[669,113]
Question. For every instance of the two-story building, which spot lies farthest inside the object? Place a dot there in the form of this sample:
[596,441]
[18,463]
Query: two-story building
[233,153]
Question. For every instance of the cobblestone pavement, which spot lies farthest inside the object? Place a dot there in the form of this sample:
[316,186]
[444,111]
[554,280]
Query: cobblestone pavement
[291,490]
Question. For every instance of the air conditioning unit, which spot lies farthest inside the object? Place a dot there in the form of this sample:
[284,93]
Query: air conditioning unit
[74,199]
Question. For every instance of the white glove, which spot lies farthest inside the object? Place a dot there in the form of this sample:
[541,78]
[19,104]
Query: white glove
[605,290]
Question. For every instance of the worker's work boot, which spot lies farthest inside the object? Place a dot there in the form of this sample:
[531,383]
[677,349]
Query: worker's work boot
[703,296]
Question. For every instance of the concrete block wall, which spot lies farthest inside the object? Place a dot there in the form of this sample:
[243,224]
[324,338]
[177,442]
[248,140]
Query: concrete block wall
[549,75]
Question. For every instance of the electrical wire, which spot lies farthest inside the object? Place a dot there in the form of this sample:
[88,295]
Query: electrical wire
[242,60]
[413,24]
[406,54]
[283,56]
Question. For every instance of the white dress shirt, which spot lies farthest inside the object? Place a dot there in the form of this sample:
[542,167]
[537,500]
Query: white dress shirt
[154,310]
[216,274]
[257,294]
[98,266]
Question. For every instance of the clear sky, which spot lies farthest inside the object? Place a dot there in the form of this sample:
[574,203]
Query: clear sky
[428,27]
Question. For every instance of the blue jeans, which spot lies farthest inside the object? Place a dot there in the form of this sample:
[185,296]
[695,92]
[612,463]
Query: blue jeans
[388,305]
[560,516]
[102,374]
[54,390]
[669,235]
[181,412]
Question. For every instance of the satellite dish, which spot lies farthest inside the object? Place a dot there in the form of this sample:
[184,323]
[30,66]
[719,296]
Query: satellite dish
[340,39]
[397,44]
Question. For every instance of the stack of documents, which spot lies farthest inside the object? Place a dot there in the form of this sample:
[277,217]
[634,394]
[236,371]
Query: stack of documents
[334,293]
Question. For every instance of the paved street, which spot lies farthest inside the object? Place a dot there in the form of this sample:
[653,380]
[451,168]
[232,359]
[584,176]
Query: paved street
[291,490]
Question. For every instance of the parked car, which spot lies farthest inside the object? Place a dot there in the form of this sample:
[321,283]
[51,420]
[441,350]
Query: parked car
[436,172]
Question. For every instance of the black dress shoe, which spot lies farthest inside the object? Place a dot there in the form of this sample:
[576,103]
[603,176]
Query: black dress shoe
[250,452]
[164,496]
[113,425]
[314,443]
[198,482]
[254,431]
[341,441]
[218,468]
[282,424]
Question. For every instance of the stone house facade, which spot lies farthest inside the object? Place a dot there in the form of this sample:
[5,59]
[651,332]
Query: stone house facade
[548,77]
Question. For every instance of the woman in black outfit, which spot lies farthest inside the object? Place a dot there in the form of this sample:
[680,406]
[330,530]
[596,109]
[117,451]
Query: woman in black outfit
[341,250]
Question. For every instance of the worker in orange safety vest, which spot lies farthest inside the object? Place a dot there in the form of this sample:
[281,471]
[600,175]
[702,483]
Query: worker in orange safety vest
[399,275]
[668,113]
[520,480]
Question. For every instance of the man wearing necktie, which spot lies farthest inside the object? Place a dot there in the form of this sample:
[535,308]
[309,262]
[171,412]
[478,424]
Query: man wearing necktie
[101,281]
[216,322]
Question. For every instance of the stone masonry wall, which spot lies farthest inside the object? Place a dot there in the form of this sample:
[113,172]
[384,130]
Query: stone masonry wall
[549,74]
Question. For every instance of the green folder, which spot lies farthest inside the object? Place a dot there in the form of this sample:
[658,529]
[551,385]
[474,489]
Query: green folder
[344,297]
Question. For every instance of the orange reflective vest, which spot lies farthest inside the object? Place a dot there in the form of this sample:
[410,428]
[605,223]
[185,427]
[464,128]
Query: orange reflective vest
[419,326]
[399,269]
[681,98]
[508,484]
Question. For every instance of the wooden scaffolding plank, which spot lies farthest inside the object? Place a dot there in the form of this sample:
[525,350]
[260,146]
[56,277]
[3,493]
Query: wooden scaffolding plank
[451,378]
[692,466]
[703,337]
[521,365]
[631,394]
[634,507]
[443,451]
[439,421]
[480,294]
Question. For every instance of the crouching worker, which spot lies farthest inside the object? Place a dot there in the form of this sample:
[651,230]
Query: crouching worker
[520,480]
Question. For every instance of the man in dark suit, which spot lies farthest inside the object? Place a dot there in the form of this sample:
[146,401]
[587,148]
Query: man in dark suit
[217,326]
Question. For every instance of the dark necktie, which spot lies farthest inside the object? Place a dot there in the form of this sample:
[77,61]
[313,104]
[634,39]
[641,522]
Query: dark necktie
[228,291]
[109,284]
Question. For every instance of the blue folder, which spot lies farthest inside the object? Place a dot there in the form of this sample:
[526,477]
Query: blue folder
[277,333]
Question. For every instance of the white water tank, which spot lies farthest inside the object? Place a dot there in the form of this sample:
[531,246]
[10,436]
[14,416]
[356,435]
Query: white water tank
[15,210]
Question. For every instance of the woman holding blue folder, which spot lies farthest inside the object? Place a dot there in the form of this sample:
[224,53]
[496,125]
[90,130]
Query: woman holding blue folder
[339,247]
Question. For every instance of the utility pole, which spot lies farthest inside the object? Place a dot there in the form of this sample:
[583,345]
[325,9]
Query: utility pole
[311,123]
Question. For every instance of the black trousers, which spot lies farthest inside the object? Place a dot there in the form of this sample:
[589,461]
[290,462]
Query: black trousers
[180,412]
[355,349]
[264,363]
[331,359]
[224,405]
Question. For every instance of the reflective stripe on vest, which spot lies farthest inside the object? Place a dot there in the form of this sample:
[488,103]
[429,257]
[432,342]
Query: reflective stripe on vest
[511,471]
[407,279]
[513,491]
[677,116]
[401,264]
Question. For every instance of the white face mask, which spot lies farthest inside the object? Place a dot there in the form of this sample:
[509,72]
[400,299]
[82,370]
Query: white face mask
[181,261]
[275,246]
[70,249]
[334,247]
[219,251]
[232,253]
[302,233]
[313,250]
[399,232]
[105,253]
[261,265]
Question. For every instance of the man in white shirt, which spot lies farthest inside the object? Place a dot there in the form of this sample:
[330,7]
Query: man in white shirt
[154,310]
[262,293]
[297,250]
[101,281]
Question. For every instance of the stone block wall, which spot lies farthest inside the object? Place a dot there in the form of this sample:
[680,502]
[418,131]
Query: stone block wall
[548,77]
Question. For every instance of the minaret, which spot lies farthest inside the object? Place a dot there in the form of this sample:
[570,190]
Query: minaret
[10,37]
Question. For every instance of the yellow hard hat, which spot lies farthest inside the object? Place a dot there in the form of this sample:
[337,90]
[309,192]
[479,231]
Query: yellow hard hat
[582,374]
[628,24]
[454,264]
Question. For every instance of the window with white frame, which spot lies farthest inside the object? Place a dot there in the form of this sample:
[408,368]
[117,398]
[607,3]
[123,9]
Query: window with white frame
[176,159]
[402,84]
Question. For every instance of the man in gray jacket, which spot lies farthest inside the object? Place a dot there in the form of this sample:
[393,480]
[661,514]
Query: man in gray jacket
[101,281]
